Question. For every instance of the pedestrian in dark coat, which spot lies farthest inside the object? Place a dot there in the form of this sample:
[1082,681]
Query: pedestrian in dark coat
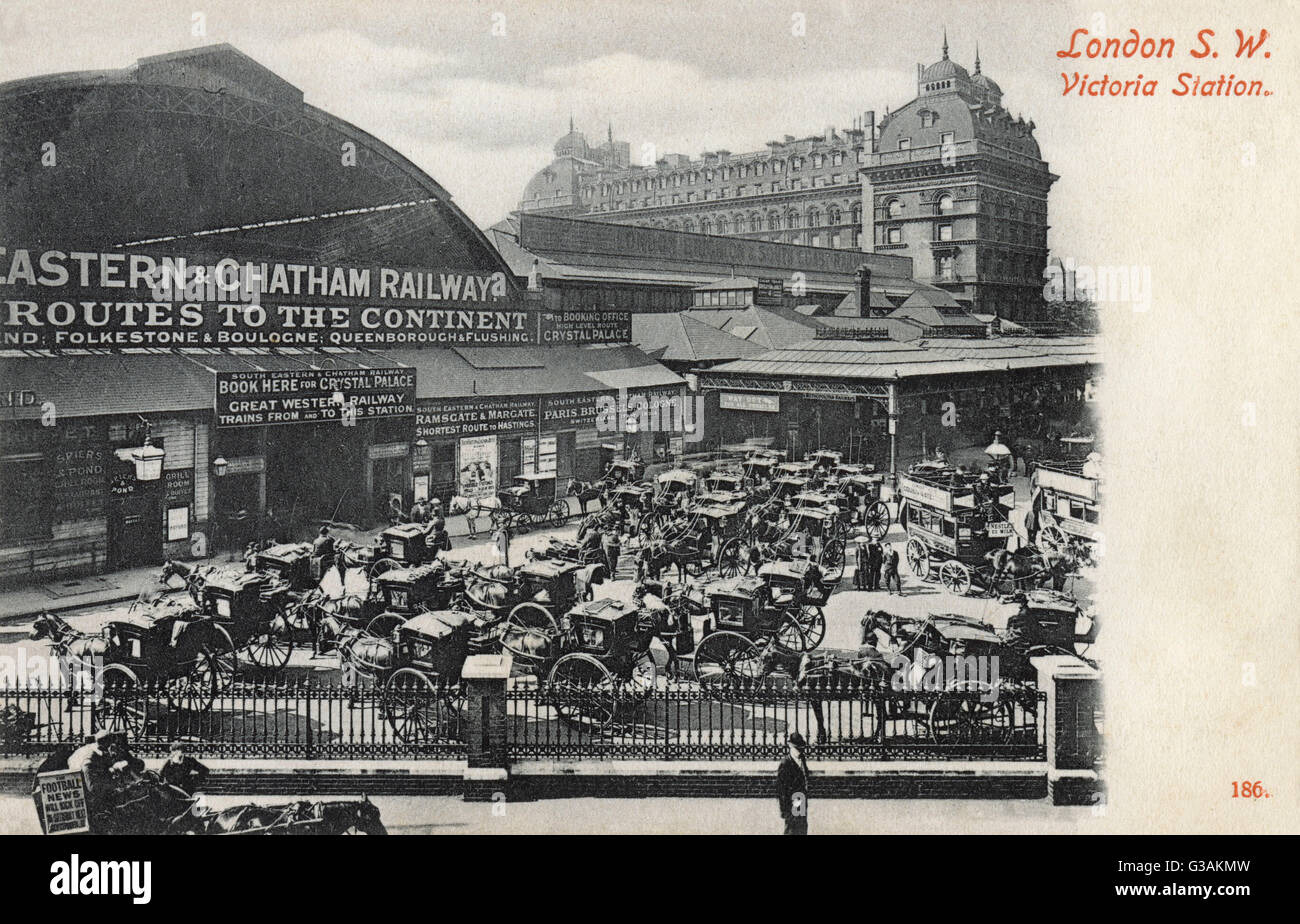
[860,564]
[889,569]
[875,557]
[792,785]
[610,545]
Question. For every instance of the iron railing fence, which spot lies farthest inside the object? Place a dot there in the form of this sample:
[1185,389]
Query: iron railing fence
[841,721]
[677,721]
[286,720]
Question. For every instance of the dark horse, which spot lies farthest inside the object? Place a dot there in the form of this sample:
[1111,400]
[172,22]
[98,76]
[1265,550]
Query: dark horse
[586,492]
[349,817]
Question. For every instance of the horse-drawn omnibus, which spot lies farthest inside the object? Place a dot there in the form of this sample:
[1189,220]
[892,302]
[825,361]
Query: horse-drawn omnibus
[1065,508]
[952,524]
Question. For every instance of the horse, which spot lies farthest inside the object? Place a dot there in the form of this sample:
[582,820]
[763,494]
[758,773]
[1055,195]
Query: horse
[1026,565]
[342,817]
[82,652]
[586,492]
[473,508]
[657,554]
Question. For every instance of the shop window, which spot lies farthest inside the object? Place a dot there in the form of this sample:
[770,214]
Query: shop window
[178,523]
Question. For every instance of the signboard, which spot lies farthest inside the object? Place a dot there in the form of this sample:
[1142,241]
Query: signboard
[62,802]
[926,494]
[770,292]
[478,467]
[1067,483]
[75,298]
[283,396]
[388,451]
[999,529]
[80,469]
[457,417]
[246,465]
[178,486]
[539,462]
[571,410]
[744,401]
[574,326]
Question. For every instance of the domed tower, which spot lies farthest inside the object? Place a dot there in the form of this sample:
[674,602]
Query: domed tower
[987,89]
[958,184]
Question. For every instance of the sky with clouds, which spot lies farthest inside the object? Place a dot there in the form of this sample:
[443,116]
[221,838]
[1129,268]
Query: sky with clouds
[476,93]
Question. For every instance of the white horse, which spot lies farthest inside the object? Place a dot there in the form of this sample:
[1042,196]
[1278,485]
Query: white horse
[473,508]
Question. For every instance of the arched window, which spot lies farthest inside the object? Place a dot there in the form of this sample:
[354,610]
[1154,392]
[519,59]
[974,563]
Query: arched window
[688,225]
[857,214]
[834,216]
[814,218]
[724,226]
[672,225]
[755,222]
[773,221]
[792,219]
[894,207]
[943,204]
[706,226]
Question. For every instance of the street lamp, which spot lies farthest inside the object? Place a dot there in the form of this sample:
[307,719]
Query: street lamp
[148,461]
[219,465]
[421,443]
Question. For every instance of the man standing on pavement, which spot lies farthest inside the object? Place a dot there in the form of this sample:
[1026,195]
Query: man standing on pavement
[889,568]
[792,785]
[875,557]
[610,546]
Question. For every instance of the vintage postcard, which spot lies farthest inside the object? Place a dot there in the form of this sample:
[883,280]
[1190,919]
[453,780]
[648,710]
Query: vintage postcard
[648,418]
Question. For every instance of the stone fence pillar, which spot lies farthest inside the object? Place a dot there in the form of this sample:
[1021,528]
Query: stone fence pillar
[487,767]
[1074,740]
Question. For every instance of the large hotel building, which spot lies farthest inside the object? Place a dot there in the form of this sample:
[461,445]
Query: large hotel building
[951,180]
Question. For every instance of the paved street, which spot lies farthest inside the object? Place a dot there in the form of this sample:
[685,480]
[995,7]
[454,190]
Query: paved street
[843,612]
[451,815]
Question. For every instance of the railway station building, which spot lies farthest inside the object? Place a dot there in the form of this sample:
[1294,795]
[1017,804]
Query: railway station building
[229,313]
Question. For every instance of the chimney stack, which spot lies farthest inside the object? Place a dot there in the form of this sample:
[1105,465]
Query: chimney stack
[869,128]
[863,276]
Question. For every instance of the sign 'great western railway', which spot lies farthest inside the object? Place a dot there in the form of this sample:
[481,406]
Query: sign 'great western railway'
[284,396]
[56,299]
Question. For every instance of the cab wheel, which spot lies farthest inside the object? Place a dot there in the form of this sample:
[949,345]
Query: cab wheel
[918,559]
[955,577]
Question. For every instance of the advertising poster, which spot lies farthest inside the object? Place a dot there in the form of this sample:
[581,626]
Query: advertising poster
[478,467]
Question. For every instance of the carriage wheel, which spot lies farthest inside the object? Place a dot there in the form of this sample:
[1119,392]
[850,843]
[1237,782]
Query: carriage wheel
[1052,539]
[414,708]
[384,625]
[955,577]
[802,629]
[584,690]
[727,658]
[210,673]
[831,560]
[379,567]
[641,682]
[559,513]
[271,648]
[918,558]
[876,520]
[120,707]
[530,632]
[966,713]
[730,558]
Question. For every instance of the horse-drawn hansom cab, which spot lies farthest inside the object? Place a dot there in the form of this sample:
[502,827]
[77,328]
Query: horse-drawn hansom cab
[1065,507]
[856,485]
[759,467]
[414,589]
[252,608]
[596,662]
[723,487]
[674,487]
[290,562]
[824,459]
[782,604]
[819,533]
[623,471]
[530,501]
[953,522]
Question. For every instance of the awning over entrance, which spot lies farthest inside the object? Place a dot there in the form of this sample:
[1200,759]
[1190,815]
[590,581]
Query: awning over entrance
[94,385]
[490,371]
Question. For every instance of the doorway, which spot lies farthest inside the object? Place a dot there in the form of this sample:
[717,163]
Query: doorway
[135,527]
